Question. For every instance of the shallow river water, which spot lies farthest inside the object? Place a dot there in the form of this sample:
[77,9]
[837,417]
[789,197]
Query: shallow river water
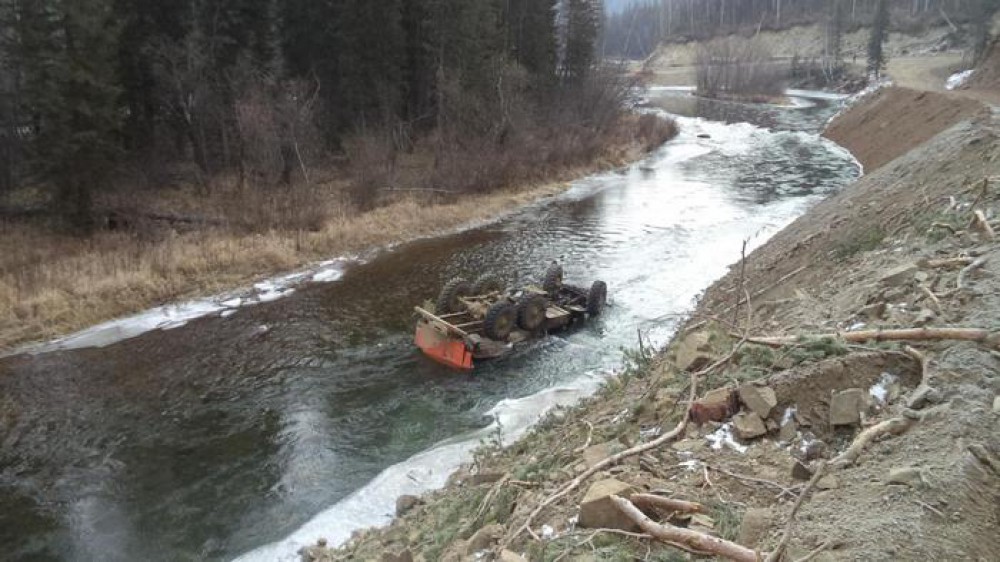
[251,434]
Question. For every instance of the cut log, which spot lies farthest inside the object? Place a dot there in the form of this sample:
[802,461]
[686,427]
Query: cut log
[686,537]
[666,504]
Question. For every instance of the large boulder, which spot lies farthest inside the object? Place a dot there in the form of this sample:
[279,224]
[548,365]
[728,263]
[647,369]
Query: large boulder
[846,406]
[760,399]
[597,511]
[694,352]
[748,425]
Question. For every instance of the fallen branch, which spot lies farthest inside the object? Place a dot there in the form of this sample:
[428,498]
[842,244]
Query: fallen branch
[944,262]
[590,435]
[911,334]
[775,555]
[967,270]
[895,426]
[984,225]
[935,301]
[922,359]
[666,504]
[815,552]
[692,539]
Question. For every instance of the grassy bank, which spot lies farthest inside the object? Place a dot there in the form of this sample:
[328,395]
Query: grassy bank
[53,284]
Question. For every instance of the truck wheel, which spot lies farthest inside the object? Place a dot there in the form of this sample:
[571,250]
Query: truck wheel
[487,284]
[553,278]
[597,298]
[531,313]
[448,301]
[500,320]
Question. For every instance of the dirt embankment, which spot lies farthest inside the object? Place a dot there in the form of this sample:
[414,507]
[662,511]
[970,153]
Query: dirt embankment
[987,75]
[900,248]
[894,121]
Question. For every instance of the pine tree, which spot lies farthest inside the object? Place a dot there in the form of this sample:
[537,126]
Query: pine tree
[68,58]
[582,21]
[876,41]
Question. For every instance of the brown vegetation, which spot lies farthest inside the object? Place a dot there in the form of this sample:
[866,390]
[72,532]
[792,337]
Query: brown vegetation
[174,243]
[733,67]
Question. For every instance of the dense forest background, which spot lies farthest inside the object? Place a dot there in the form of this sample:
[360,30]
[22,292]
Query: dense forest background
[636,27]
[265,92]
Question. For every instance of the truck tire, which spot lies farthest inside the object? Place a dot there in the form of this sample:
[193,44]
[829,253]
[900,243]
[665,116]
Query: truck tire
[597,298]
[487,284]
[553,279]
[531,313]
[500,320]
[448,301]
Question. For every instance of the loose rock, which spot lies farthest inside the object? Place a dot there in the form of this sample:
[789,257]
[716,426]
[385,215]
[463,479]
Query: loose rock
[801,472]
[484,538]
[760,399]
[694,352]
[923,396]
[748,425]
[508,556]
[597,453]
[828,482]
[598,512]
[753,528]
[908,475]
[846,407]
[406,503]
[899,275]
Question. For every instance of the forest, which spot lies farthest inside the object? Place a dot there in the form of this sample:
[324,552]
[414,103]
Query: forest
[137,94]
[638,27]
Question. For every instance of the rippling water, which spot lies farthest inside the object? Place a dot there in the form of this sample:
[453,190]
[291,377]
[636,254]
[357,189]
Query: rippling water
[281,422]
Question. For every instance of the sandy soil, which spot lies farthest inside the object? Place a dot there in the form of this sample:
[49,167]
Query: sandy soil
[929,493]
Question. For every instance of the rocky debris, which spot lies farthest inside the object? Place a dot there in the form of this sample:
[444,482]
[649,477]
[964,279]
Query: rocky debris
[694,352]
[900,275]
[907,475]
[923,396]
[508,556]
[788,430]
[316,553]
[688,445]
[847,406]
[801,472]
[873,312]
[828,482]
[484,538]
[753,528]
[404,504]
[748,425]
[397,555]
[598,512]
[760,399]
[597,453]
[716,406]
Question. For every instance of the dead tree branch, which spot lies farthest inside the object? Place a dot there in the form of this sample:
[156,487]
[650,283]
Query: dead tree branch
[775,555]
[895,426]
[691,539]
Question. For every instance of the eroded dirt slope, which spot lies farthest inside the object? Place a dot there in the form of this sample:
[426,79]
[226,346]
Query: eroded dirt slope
[896,120]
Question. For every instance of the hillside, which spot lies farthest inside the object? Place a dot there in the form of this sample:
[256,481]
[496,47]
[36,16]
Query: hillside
[895,250]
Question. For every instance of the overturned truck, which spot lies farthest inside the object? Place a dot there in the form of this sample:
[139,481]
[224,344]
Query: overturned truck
[486,319]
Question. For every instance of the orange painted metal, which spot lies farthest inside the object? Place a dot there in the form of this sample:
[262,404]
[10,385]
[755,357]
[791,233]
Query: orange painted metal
[443,348]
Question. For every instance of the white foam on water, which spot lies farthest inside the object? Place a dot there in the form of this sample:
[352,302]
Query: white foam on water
[374,504]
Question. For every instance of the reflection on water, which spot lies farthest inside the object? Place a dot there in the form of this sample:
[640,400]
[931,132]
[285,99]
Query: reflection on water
[207,441]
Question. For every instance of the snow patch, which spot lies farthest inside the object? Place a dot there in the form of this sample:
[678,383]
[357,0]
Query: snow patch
[724,436]
[880,390]
[958,79]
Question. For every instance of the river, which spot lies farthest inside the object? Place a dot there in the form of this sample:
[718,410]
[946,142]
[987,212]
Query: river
[248,434]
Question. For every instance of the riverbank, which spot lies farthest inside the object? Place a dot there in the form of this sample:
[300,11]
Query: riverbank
[901,248]
[53,284]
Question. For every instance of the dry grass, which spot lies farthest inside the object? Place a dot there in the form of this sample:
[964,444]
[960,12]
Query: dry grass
[53,284]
